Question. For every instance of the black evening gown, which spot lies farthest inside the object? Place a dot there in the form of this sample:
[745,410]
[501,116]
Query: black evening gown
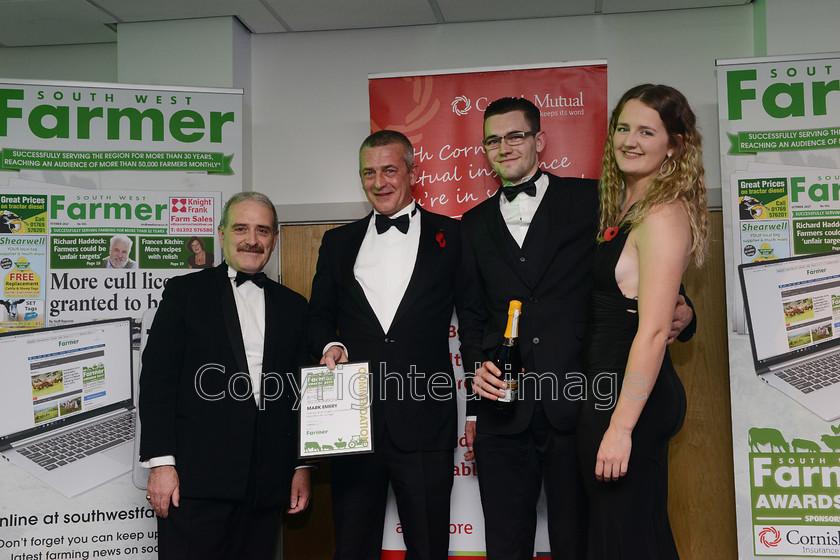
[628,519]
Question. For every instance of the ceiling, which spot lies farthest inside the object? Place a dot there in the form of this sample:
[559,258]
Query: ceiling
[28,23]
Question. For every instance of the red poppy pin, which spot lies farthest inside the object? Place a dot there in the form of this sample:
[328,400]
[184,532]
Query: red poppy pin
[609,233]
[440,239]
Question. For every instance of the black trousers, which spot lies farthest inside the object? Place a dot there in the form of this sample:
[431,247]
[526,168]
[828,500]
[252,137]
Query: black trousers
[220,529]
[422,482]
[210,529]
[511,471]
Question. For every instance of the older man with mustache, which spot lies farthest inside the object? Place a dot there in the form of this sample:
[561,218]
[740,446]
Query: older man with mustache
[216,434]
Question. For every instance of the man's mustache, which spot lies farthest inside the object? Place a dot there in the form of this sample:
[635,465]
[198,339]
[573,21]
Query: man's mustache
[246,248]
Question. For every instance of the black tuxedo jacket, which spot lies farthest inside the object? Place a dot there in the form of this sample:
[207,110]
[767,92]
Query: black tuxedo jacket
[412,381]
[551,276]
[195,391]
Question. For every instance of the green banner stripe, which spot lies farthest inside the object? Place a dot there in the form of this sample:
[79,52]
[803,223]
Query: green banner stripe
[814,213]
[107,230]
[14,159]
[753,142]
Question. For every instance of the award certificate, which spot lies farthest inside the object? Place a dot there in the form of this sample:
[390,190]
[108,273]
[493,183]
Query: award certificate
[335,411]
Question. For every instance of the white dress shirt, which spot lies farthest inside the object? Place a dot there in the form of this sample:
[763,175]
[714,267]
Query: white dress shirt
[519,214]
[250,307]
[385,263]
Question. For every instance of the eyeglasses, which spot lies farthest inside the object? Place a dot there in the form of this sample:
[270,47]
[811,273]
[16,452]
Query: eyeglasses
[512,139]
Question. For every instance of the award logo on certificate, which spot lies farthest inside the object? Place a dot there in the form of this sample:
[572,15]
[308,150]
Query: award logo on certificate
[335,411]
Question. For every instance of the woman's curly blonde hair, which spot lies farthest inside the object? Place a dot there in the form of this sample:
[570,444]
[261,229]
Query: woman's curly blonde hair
[685,183]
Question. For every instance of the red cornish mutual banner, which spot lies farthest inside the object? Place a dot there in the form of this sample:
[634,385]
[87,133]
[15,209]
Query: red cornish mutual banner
[442,114]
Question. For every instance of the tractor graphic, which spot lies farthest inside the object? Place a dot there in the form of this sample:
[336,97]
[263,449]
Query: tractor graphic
[358,441]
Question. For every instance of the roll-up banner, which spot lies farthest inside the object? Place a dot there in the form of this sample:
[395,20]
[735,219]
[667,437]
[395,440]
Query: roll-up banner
[442,113]
[780,174]
[106,192]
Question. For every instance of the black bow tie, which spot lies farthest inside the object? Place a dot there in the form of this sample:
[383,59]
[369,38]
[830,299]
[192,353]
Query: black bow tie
[259,279]
[528,187]
[384,223]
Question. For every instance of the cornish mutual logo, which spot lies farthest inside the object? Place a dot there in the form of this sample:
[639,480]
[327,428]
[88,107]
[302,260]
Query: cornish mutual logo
[770,537]
[461,105]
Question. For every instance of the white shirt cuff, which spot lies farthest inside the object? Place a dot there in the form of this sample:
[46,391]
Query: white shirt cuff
[331,344]
[471,418]
[158,462]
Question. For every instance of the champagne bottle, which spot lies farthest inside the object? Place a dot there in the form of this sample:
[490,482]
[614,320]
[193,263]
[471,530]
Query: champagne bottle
[509,360]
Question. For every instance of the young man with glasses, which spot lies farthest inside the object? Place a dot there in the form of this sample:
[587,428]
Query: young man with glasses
[532,241]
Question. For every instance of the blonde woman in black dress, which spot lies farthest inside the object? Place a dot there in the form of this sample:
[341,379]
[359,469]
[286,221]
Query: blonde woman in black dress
[653,221]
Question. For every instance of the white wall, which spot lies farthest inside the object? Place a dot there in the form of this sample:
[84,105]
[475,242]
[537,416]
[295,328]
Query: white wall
[76,63]
[199,52]
[803,26]
[310,96]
